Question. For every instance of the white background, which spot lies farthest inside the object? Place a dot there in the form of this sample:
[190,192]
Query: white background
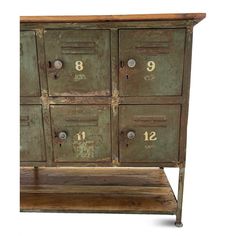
[209,196]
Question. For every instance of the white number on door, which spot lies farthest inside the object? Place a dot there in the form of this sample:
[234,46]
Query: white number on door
[151,65]
[81,136]
[152,136]
[79,66]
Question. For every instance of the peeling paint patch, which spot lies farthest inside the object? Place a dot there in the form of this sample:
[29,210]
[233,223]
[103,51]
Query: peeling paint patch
[115,102]
[39,33]
[84,149]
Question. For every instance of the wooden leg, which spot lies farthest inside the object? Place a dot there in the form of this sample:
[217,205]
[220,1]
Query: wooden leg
[178,222]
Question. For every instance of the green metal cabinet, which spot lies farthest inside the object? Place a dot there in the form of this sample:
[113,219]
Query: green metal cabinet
[100,97]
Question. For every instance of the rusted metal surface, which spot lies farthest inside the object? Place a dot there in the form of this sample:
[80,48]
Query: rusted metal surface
[115,96]
[32,144]
[88,133]
[156,133]
[29,74]
[159,58]
[180,197]
[84,57]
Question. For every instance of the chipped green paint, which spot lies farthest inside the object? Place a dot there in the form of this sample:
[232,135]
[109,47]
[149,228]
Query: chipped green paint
[32,146]
[84,150]
[92,61]
[85,55]
[156,133]
[88,133]
[159,56]
[29,75]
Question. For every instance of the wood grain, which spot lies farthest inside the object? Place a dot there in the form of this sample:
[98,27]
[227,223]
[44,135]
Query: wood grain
[94,190]
[93,176]
[82,203]
[126,190]
[107,18]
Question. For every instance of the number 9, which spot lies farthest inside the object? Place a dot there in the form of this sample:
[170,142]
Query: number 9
[151,65]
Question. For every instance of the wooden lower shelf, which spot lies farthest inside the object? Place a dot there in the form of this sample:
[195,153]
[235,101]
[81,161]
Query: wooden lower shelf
[113,190]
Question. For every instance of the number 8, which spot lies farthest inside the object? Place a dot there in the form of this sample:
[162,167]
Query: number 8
[151,66]
[79,65]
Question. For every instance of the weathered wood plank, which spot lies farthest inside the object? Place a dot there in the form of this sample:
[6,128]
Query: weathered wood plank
[127,190]
[135,17]
[165,204]
[94,176]
[97,190]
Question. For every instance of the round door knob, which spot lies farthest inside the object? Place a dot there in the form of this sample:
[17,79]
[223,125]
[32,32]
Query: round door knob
[131,63]
[58,64]
[131,135]
[62,135]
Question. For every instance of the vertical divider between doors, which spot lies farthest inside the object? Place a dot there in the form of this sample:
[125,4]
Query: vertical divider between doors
[115,95]
[44,96]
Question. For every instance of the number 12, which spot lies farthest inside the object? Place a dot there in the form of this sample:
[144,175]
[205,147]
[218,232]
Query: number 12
[152,136]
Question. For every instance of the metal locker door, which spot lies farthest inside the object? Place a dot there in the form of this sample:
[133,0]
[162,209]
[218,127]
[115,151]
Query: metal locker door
[29,74]
[149,133]
[78,62]
[32,144]
[81,133]
[151,62]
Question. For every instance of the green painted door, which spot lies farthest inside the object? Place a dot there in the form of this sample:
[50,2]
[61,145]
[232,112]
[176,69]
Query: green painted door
[151,62]
[32,144]
[81,133]
[149,133]
[29,74]
[78,62]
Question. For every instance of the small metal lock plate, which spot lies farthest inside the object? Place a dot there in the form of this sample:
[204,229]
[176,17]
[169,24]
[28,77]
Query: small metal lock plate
[131,63]
[62,135]
[131,135]
[58,64]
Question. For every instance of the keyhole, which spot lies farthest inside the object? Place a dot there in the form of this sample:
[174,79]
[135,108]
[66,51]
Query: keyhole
[49,64]
[127,77]
[60,144]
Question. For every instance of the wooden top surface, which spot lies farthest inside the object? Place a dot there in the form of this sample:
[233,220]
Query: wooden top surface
[106,18]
